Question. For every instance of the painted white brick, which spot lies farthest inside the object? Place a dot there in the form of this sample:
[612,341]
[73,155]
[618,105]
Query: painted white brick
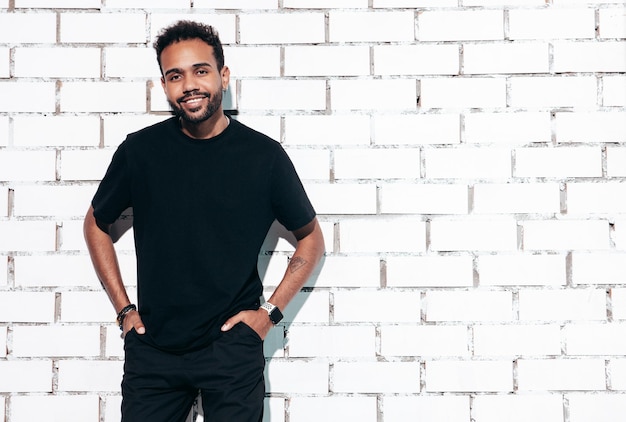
[154,4]
[343,198]
[83,408]
[518,408]
[311,164]
[617,371]
[71,131]
[400,234]
[495,234]
[562,305]
[417,129]
[224,23]
[103,97]
[619,234]
[350,129]
[112,408]
[116,127]
[373,94]
[430,271]
[311,409]
[65,4]
[514,198]
[25,376]
[285,376]
[455,93]
[413,3]
[522,270]
[313,307]
[56,340]
[565,235]
[349,271]
[4,130]
[26,306]
[28,97]
[252,61]
[333,341]
[518,128]
[391,377]
[327,61]
[612,23]
[86,307]
[589,56]
[431,408]
[577,127]
[129,27]
[425,59]
[553,91]
[595,339]
[129,62]
[12,28]
[506,58]
[85,164]
[517,340]
[558,162]
[28,236]
[27,165]
[434,341]
[424,198]
[85,62]
[551,23]
[598,268]
[55,270]
[466,376]
[590,198]
[614,91]
[68,201]
[452,25]
[114,344]
[564,374]
[595,407]
[325,4]
[269,125]
[473,305]
[379,163]
[269,28]
[375,306]
[4,272]
[283,95]
[356,26]
[5,64]
[90,375]
[3,343]
[4,202]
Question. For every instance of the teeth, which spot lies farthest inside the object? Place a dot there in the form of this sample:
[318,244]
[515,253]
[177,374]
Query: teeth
[194,100]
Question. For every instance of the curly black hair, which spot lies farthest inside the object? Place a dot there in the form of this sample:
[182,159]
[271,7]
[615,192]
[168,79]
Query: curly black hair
[189,30]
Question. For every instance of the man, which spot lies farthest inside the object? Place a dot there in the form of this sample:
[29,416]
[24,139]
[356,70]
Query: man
[204,191]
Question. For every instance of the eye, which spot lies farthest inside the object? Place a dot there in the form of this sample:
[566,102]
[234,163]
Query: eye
[173,78]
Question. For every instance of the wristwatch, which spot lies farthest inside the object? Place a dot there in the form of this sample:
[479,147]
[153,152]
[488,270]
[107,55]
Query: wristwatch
[273,312]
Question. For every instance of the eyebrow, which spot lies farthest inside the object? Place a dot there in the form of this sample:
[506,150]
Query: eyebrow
[195,66]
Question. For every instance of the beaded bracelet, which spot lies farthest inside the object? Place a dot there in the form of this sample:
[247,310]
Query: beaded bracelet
[120,317]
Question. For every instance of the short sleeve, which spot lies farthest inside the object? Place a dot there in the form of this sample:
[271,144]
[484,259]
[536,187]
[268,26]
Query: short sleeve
[113,194]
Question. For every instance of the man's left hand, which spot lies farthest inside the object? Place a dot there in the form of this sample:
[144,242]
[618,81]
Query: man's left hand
[258,320]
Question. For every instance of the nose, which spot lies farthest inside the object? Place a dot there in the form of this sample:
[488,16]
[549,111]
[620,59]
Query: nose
[190,85]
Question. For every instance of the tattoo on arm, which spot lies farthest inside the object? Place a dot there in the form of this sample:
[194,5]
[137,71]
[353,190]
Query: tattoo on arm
[296,263]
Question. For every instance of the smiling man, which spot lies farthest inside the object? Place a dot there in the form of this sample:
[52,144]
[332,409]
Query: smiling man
[204,190]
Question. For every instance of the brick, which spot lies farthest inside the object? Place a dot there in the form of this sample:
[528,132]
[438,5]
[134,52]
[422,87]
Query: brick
[26,376]
[595,339]
[456,93]
[424,198]
[424,341]
[454,25]
[575,127]
[496,234]
[562,235]
[4,131]
[112,408]
[391,377]
[596,198]
[283,95]
[427,59]
[28,236]
[553,91]
[589,56]
[348,271]
[85,62]
[551,23]
[356,26]
[152,4]
[522,269]
[255,61]
[517,340]
[334,341]
[64,4]
[70,131]
[96,27]
[28,97]
[382,4]
[26,306]
[324,4]
[468,306]
[562,305]
[83,408]
[417,129]
[233,4]
[56,341]
[284,376]
[519,408]
[617,374]
[565,374]
[516,198]
[269,125]
[378,163]
[469,376]
[12,28]
[430,271]
[116,127]
[377,306]
[269,28]
[311,164]
[351,129]
[67,201]
[224,23]
[5,63]
[87,307]
[600,407]
[598,268]
[103,97]
[131,62]
[614,91]
[27,165]
[558,162]
[313,307]
[52,271]
[505,58]
[3,343]
[114,344]
[518,128]
[362,409]
[4,273]
[85,164]
[426,408]
[4,202]
[343,198]
[612,23]
[327,60]
[619,234]
[373,94]
[90,375]
[400,234]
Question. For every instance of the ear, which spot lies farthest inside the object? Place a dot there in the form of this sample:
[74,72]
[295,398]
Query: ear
[225,77]
[162,82]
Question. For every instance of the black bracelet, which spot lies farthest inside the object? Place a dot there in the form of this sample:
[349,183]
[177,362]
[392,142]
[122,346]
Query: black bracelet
[120,317]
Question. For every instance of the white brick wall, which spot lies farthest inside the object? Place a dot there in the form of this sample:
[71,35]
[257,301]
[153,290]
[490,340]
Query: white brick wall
[466,162]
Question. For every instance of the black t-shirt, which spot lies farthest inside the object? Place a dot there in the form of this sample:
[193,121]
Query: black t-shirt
[201,211]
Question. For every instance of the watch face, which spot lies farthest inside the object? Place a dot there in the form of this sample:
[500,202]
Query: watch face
[276,316]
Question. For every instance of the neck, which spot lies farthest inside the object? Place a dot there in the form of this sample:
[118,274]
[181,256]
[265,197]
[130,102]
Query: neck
[209,128]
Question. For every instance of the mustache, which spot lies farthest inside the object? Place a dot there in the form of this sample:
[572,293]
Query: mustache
[192,94]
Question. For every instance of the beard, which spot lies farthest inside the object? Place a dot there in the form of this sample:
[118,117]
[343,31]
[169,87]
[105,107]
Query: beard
[201,113]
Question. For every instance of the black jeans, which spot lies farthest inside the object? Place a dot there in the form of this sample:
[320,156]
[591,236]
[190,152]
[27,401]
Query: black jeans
[161,387]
